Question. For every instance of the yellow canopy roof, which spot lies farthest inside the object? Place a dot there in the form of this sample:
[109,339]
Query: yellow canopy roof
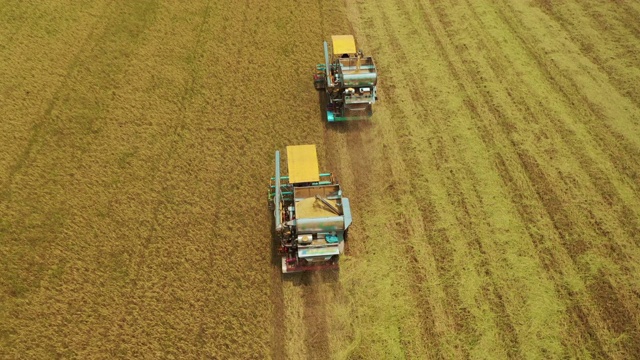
[302,161]
[343,44]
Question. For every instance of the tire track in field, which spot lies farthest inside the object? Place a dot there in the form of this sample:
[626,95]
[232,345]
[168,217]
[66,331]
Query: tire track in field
[139,256]
[617,312]
[313,327]
[195,79]
[220,308]
[315,316]
[85,70]
[530,160]
[40,127]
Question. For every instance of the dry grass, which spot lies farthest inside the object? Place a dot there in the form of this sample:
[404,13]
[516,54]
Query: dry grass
[495,192]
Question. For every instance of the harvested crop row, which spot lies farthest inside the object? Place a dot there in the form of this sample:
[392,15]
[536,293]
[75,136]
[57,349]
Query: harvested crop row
[498,150]
[494,192]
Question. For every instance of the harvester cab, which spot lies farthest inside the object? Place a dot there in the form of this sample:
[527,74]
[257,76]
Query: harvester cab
[311,215]
[348,79]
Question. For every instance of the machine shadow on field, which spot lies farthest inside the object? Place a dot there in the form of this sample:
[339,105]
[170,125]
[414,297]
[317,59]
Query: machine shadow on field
[277,296]
[275,256]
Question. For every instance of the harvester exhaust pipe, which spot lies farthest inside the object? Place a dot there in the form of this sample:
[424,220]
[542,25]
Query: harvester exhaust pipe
[276,198]
[326,65]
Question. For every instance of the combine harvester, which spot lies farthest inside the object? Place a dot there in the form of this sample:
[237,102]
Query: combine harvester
[348,79]
[311,216]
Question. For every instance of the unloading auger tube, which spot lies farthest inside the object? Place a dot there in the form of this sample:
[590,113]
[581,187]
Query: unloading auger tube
[326,65]
[278,195]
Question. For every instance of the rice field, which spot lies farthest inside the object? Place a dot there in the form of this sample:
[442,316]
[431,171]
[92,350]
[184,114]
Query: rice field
[495,191]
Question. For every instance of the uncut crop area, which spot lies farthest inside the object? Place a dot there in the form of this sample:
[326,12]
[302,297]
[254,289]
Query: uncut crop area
[495,192]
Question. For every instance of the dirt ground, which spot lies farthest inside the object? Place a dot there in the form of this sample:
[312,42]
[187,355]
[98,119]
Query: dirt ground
[495,192]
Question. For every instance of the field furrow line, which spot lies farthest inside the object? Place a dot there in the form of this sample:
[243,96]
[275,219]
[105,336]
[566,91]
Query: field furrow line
[519,193]
[455,194]
[627,307]
[555,264]
[420,273]
[477,80]
[442,253]
[595,174]
[501,71]
[567,229]
[459,72]
[395,184]
[625,13]
[623,154]
[581,154]
[562,223]
[608,53]
[623,23]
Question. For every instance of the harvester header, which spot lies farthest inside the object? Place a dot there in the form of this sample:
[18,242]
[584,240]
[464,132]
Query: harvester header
[348,80]
[311,215]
